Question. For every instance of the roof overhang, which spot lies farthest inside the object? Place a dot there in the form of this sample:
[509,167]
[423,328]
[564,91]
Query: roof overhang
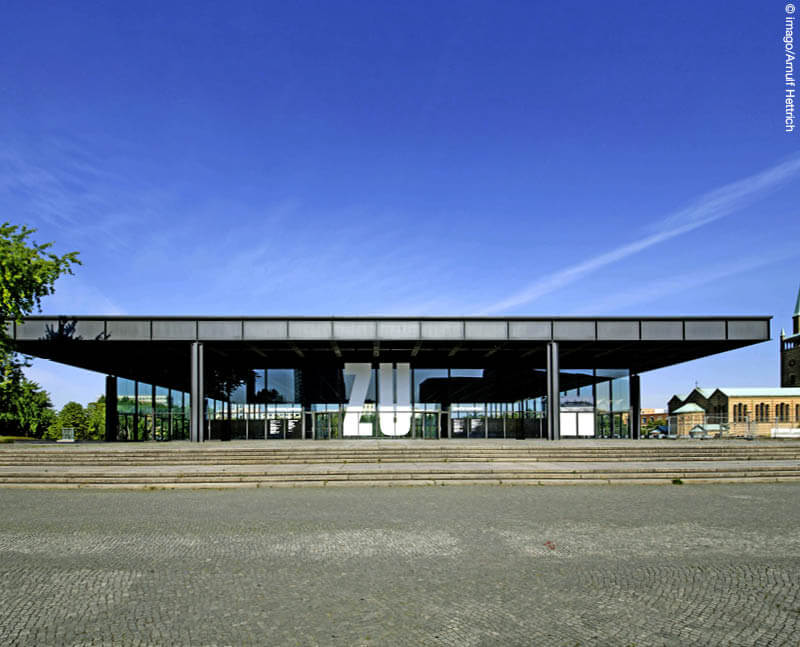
[156,349]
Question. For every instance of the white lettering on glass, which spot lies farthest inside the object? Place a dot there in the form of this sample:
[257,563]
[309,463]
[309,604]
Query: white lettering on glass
[394,399]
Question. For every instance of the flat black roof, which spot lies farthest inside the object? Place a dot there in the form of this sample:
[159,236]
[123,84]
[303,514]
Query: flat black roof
[156,348]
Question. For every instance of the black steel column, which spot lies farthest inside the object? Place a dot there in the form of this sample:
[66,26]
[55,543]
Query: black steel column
[112,419]
[197,395]
[153,409]
[553,393]
[135,411]
[636,407]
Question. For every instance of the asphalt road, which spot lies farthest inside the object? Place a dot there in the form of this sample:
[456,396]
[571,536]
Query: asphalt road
[473,565]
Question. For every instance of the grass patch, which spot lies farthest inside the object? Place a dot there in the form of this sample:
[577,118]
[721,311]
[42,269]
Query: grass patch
[677,482]
[11,439]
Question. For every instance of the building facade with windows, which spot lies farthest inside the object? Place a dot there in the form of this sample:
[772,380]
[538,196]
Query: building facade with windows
[790,351]
[765,412]
[650,416]
[208,378]
[751,411]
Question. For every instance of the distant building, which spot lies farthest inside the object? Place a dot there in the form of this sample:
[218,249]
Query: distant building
[650,416]
[753,411]
[790,350]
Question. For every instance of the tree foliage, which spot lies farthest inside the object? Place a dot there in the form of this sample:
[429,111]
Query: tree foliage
[96,419]
[25,408]
[28,272]
[73,416]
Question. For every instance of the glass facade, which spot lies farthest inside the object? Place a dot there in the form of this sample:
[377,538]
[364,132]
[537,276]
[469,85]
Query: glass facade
[380,400]
[150,412]
[396,400]
[613,403]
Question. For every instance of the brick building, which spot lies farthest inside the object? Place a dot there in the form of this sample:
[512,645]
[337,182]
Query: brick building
[753,411]
[749,411]
[790,351]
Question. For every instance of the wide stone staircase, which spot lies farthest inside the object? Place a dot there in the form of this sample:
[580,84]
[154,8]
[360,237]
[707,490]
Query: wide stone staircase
[395,462]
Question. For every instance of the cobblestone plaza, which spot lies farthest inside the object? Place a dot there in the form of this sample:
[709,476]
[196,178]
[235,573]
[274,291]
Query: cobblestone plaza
[601,565]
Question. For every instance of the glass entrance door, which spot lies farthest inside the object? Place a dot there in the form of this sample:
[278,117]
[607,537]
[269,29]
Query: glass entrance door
[326,424]
[426,424]
[467,421]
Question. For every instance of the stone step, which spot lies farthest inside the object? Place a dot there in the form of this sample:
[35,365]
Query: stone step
[77,450]
[321,462]
[287,458]
[406,473]
[7,478]
[400,480]
[320,448]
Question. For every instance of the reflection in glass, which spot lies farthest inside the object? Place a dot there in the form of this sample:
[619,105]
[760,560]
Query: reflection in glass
[281,385]
[392,400]
[430,386]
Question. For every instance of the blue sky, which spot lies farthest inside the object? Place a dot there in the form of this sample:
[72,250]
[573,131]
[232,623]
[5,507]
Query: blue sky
[521,158]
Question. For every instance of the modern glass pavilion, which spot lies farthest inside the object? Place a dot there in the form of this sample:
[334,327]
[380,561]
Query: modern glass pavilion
[207,378]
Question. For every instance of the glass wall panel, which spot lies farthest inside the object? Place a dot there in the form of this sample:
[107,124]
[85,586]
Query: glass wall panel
[426,423]
[429,390]
[326,421]
[218,427]
[603,408]
[468,394]
[498,415]
[126,408]
[179,411]
[126,395]
[281,385]
[430,386]
[161,414]
[619,402]
[259,386]
[468,385]
[621,393]
[238,394]
[144,402]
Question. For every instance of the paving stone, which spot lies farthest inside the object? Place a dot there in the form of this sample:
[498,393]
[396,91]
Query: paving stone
[583,565]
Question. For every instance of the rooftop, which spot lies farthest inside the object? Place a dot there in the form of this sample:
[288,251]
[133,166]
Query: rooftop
[761,392]
[691,407]
[157,349]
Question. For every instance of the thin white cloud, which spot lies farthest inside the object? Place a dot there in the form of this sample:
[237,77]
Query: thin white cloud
[708,208]
[74,296]
[67,188]
[675,284]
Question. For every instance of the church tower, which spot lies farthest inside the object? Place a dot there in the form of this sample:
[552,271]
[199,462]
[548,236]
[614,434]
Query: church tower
[790,350]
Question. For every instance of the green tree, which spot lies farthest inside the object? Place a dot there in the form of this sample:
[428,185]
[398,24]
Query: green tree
[96,419]
[28,272]
[71,415]
[34,409]
[25,408]
[650,426]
